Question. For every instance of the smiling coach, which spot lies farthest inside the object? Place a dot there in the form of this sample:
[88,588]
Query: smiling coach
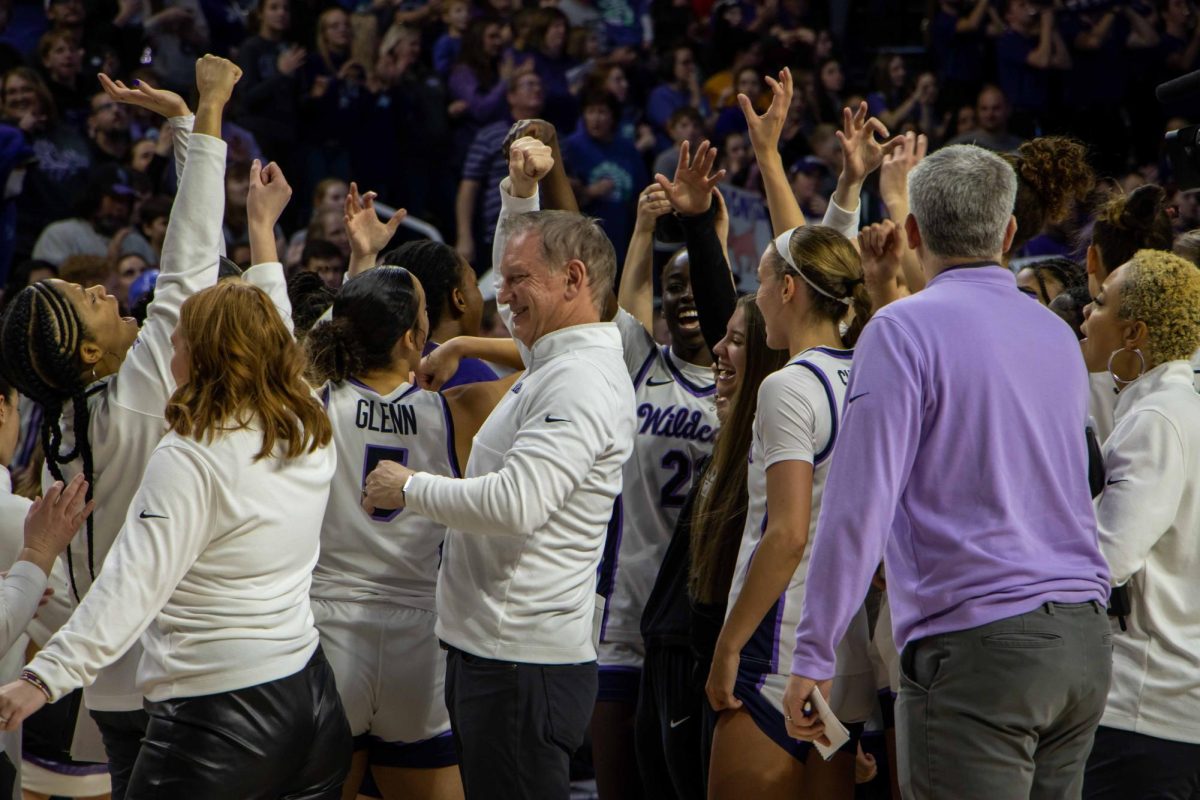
[516,590]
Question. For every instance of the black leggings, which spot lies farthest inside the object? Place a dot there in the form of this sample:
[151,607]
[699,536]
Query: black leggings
[283,740]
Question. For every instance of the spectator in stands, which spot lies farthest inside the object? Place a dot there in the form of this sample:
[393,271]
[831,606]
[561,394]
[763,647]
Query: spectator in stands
[146,238]
[480,80]
[830,91]
[237,183]
[326,260]
[125,273]
[749,82]
[105,208]
[330,195]
[1180,36]
[685,125]
[486,166]
[606,171]
[61,60]
[108,130]
[957,41]
[1095,89]
[1026,53]
[177,31]
[612,78]
[269,91]
[547,46]
[680,88]
[456,16]
[333,46]
[991,118]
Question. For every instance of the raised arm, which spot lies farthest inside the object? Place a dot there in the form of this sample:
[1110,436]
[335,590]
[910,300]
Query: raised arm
[893,187]
[692,196]
[191,250]
[266,199]
[636,292]
[555,186]
[862,154]
[765,130]
[368,234]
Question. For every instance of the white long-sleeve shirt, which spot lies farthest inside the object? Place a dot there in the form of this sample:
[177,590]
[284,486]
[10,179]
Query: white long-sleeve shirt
[212,569]
[527,524]
[1149,522]
[126,409]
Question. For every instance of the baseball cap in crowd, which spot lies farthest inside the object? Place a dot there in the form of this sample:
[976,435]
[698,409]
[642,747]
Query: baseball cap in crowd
[810,165]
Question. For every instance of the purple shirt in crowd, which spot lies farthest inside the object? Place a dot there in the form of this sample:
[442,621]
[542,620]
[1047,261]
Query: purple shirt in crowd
[962,462]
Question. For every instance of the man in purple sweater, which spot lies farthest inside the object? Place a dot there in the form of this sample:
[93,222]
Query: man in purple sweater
[962,463]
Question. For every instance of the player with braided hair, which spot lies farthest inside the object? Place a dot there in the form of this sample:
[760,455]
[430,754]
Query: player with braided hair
[104,383]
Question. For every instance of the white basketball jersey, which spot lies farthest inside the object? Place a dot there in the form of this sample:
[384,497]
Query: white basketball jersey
[391,555]
[798,417]
[676,425]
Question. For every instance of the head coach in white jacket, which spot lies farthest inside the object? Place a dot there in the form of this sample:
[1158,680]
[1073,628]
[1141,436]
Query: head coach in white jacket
[516,591]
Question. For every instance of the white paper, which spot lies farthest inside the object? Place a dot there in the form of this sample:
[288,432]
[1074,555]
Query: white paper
[835,731]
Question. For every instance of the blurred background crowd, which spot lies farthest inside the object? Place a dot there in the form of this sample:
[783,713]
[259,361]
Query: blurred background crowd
[413,98]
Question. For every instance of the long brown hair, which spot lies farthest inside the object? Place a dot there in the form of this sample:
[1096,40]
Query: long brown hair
[720,512]
[246,370]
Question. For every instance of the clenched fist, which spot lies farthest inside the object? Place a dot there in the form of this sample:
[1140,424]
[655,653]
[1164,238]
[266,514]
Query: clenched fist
[528,162]
[215,78]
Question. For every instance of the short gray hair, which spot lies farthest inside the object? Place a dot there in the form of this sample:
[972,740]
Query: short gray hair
[962,198]
[565,235]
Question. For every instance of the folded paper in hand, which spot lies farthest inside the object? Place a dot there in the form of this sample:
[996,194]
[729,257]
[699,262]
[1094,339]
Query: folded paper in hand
[835,731]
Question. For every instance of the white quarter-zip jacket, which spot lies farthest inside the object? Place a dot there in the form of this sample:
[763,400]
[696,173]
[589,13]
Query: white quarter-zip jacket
[212,570]
[527,524]
[1149,522]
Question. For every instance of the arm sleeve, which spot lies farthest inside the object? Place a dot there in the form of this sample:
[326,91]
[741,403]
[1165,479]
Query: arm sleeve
[712,281]
[268,276]
[149,558]
[881,427]
[545,464]
[1146,470]
[20,592]
[181,132]
[843,221]
[189,263]
[52,616]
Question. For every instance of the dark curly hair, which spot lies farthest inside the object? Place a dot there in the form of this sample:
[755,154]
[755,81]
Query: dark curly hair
[1052,175]
[1132,222]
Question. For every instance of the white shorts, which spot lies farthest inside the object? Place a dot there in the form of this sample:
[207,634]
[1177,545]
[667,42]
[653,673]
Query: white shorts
[389,667]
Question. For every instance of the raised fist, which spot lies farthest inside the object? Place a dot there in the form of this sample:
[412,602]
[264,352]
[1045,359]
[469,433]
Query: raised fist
[216,77]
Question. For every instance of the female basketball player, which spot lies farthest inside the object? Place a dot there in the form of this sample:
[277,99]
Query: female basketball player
[373,586]
[68,348]
[810,279]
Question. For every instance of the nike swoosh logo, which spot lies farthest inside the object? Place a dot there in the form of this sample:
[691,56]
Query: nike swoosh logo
[144,515]
[675,723]
[653,382]
[860,394]
[555,419]
[1110,481]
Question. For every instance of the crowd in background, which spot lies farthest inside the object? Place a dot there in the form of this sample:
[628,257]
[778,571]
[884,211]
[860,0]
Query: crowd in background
[413,99]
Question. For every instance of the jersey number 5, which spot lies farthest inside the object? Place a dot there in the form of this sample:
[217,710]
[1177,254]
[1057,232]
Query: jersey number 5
[371,458]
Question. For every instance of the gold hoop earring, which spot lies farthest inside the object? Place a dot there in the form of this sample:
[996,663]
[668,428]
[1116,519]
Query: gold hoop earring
[1122,382]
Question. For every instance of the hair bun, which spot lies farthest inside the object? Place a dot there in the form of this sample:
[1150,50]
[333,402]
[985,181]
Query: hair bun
[1143,206]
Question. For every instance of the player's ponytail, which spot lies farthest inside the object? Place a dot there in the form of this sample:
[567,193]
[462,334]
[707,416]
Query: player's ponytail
[370,315]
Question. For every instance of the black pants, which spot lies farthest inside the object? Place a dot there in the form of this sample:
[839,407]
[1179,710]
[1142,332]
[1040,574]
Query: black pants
[1124,765]
[516,725]
[122,733]
[283,740]
[670,718]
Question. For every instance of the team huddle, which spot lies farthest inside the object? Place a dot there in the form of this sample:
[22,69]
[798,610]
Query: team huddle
[298,555]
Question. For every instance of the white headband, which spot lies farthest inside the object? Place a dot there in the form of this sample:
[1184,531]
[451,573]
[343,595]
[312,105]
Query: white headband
[782,246]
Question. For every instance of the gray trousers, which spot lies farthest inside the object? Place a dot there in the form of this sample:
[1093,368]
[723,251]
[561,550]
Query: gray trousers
[1004,711]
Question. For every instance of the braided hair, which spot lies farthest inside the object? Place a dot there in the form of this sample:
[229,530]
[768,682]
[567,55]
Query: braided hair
[40,336]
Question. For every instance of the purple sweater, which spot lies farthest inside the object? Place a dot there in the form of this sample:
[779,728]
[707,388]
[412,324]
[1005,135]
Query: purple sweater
[962,462]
